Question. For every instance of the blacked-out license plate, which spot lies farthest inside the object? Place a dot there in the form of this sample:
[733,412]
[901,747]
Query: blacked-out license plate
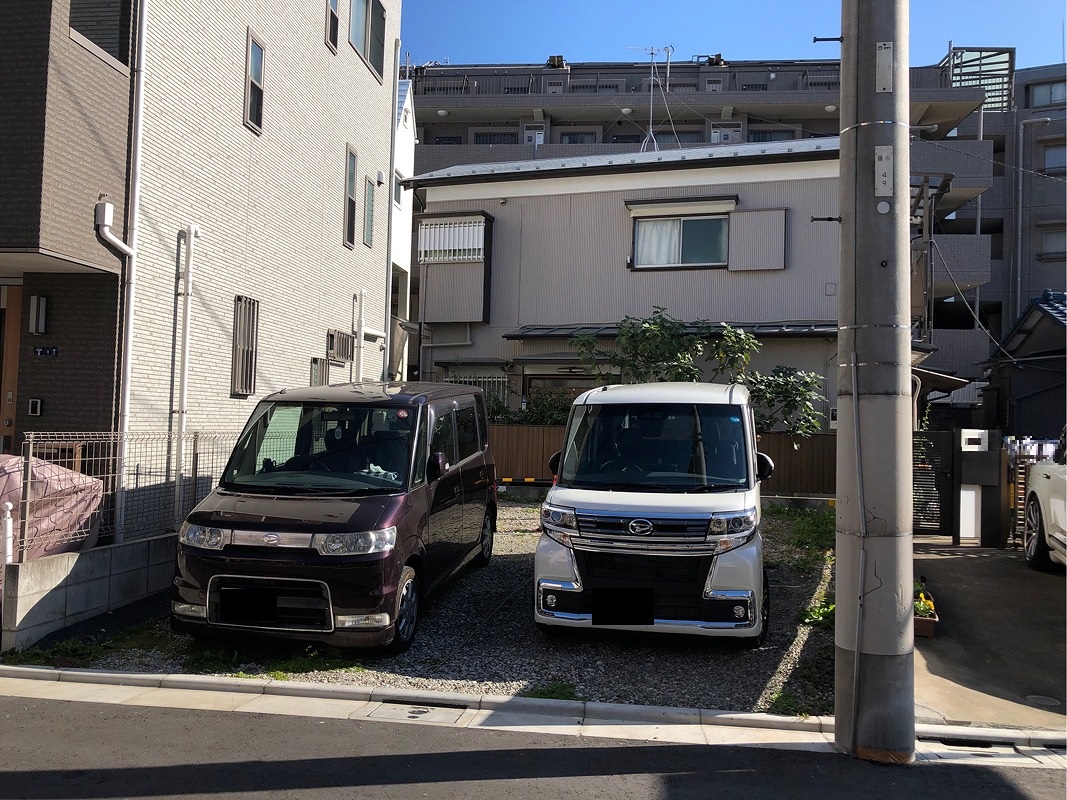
[623,606]
[247,605]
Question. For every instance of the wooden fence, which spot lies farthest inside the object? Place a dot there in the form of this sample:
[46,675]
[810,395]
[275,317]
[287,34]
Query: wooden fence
[522,453]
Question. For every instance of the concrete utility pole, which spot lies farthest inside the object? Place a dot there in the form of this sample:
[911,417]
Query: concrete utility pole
[874,681]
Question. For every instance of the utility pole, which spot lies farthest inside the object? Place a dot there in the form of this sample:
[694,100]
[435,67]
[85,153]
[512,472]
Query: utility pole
[874,677]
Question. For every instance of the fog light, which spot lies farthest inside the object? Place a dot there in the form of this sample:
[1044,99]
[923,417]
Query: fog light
[550,600]
[188,610]
[740,612]
[361,621]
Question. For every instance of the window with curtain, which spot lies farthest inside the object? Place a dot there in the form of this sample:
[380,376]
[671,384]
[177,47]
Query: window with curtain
[697,241]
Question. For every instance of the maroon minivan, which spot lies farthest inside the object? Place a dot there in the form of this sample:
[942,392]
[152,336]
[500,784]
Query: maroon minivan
[340,510]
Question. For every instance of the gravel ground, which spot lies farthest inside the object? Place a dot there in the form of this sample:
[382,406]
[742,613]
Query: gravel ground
[478,637]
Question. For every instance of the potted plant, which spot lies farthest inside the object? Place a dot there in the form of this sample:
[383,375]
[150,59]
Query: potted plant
[925,612]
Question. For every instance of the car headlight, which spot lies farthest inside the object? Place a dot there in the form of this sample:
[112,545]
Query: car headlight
[559,523]
[203,536]
[731,530]
[355,542]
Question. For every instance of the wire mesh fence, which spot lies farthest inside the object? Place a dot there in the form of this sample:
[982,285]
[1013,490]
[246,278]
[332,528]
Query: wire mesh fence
[74,491]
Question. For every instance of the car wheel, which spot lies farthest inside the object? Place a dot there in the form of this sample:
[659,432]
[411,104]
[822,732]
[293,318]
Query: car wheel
[407,612]
[485,552]
[754,642]
[1035,545]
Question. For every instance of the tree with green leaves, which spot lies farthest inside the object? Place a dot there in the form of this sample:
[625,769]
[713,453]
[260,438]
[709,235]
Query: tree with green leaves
[662,348]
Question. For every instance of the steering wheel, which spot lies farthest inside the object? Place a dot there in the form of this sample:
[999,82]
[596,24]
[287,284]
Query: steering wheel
[621,465]
[306,461]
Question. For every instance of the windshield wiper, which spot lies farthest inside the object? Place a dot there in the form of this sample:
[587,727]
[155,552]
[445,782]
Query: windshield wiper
[714,487]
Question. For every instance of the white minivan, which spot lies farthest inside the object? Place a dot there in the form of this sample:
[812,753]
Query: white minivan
[653,521]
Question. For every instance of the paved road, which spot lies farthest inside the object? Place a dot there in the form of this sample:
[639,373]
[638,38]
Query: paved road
[53,749]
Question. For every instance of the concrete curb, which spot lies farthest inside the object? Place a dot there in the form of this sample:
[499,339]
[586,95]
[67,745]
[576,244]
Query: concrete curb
[618,712]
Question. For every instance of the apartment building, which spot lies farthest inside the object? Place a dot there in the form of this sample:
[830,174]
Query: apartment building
[197,208]
[579,113]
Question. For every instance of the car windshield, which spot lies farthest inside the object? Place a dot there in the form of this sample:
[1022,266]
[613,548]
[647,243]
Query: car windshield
[317,448]
[661,447]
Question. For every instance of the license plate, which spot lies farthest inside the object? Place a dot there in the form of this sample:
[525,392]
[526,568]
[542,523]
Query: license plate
[623,606]
[246,605]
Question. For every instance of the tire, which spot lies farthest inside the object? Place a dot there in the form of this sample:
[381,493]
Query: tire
[1035,546]
[408,599]
[485,543]
[755,642]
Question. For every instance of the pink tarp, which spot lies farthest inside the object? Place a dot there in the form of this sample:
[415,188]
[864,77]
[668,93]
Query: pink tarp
[65,507]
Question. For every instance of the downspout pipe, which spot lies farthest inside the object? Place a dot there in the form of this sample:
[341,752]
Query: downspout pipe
[103,224]
[389,227]
[188,236]
[1019,212]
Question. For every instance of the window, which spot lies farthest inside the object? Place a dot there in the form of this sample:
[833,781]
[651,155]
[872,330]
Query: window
[771,135]
[367,32]
[681,137]
[496,138]
[245,339]
[1053,243]
[467,431]
[398,188]
[681,242]
[333,23]
[444,439]
[320,372]
[368,213]
[1055,158]
[254,83]
[577,137]
[350,200]
[1048,94]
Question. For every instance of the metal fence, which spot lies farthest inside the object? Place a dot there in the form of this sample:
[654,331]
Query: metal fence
[73,491]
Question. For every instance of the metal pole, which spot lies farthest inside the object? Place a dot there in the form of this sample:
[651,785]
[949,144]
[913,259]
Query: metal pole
[874,680]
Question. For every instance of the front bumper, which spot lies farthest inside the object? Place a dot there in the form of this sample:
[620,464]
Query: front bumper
[702,594]
[290,595]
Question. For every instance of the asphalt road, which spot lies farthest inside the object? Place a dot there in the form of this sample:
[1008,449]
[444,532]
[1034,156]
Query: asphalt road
[55,749]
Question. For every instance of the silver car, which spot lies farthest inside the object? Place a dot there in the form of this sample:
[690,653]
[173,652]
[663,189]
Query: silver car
[1044,540]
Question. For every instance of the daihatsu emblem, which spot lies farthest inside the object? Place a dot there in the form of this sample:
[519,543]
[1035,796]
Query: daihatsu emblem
[271,538]
[640,527]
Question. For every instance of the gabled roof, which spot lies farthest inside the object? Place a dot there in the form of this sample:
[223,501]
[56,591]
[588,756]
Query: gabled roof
[1050,307]
[403,89]
[820,149]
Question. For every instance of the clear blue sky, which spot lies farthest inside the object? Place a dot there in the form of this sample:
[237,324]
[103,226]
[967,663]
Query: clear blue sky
[516,32]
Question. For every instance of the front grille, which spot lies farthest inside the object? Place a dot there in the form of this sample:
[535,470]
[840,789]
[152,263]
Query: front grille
[269,603]
[619,526]
[623,570]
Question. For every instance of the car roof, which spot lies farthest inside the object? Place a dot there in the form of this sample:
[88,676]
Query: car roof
[400,393]
[665,392]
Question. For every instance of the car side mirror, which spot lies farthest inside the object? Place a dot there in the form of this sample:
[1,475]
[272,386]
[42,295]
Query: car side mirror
[437,466]
[764,466]
[553,462]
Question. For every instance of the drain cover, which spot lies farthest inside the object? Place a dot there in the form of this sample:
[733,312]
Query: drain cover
[1041,700]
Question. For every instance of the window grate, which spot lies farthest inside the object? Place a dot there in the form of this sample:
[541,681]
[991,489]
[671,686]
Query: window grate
[245,343]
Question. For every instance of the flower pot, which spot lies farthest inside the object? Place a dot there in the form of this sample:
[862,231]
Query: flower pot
[926,627]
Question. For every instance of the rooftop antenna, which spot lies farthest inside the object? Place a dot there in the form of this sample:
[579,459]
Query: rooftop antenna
[652,51]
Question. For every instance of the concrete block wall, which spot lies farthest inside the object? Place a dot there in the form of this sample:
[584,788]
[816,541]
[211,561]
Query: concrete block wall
[50,593]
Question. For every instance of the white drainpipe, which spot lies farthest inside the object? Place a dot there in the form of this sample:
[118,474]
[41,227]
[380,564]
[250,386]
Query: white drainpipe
[389,204]
[189,235]
[103,219]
